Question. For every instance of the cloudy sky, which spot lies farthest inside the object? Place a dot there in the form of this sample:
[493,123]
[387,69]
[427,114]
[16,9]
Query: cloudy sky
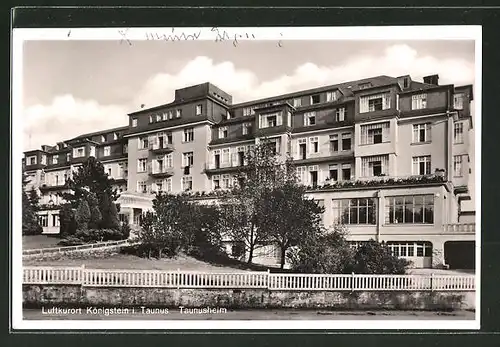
[74,87]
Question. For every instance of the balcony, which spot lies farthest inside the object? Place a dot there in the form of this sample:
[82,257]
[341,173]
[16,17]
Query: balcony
[159,148]
[465,228]
[46,187]
[322,157]
[119,178]
[160,171]
[214,168]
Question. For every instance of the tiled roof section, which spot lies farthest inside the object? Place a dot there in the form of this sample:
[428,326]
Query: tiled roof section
[345,88]
[102,132]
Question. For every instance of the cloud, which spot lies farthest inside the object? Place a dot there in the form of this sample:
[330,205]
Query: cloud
[244,85]
[67,117]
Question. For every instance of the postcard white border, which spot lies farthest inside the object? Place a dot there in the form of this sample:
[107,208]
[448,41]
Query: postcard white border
[408,33]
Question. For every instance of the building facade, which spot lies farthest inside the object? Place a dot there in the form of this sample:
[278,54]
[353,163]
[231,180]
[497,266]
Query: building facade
[387,156]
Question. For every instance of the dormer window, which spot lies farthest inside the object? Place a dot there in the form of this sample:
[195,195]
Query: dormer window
[158,117]
[331,96]
[223,132]
[419,101]
[309,119]
[178,113]
[164,115]
[151,119]
[406,82]
[199,109]
[55,159]
[115,136]
[297,102]
[458,101]
[365,85]
[315,99]
[103,138]
[134,122]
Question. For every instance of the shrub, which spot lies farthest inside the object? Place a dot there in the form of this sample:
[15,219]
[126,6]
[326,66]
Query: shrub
[373,257]
[82,215]
[67,221]
[70,241]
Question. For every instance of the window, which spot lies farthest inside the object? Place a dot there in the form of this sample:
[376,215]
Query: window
[302,148]
[226,181]
[346,141]
[31,160]
[55,159]
[216,182]
[125,148]
[413,209]
[247,128]
[271,120]
[315,99]
[164,115]
[134,122]
[457,165]
[374,103]
[142,187]
[375,166]
[346,172]
[313,144]
[142,165]
[422,165]
[458,132]
[187,159]
[170,114]
[410,249]
[247,111]
[168,184]
[340,114]
[419,101]
[115,136]
[458,101]
[375,133]
[189,135]
[159,186]
[331,96]
[187,183]
[55,220]
[301,174]
[107,151]
[151,119]
[103,138]
[109,171]
[297,102]
[43,220]
[334,172]
[309,118]
[199,109]
[223,132]
[68,157]
[78,152]
[143,143]
[365,85]
[313,175]
[334,143]
[406,82]
[354,211]
[421,133]
[178,113]
[158,117]
[225,155]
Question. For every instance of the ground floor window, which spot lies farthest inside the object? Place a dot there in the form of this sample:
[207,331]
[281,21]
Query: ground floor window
[410,249]
[415,209]
[55,220]
[43,220]
[354,211]
[122,217]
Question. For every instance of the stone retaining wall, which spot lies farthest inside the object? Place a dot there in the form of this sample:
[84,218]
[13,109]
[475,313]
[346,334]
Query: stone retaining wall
[79,296]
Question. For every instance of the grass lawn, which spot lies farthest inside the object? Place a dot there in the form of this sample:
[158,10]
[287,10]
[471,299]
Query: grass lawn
[39,241]
[123,261]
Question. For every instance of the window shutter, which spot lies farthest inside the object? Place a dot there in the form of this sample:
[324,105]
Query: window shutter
[234,158]
[386,101]
[428,132]
[363,105]
[386,131]
[279,119]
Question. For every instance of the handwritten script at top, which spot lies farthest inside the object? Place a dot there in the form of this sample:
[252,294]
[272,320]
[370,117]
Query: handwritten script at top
[218,36]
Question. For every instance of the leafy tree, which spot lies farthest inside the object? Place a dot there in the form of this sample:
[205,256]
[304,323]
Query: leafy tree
[82,216]
[264,171]
[95,214]
[327,252]
[374,257]
[109,213]
[67,221]
[90,178]
[287,216]
[30,224]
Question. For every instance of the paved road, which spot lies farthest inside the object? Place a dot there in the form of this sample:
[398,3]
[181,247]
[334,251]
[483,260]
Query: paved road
[176,314]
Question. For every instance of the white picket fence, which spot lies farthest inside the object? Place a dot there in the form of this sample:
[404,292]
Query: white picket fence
[245,280]
[107,244]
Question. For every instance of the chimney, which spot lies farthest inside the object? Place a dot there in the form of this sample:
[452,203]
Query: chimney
[432,79]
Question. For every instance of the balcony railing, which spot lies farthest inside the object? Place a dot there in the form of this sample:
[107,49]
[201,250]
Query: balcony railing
[460,228]
[160,171]
[161,147]
[231,164]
